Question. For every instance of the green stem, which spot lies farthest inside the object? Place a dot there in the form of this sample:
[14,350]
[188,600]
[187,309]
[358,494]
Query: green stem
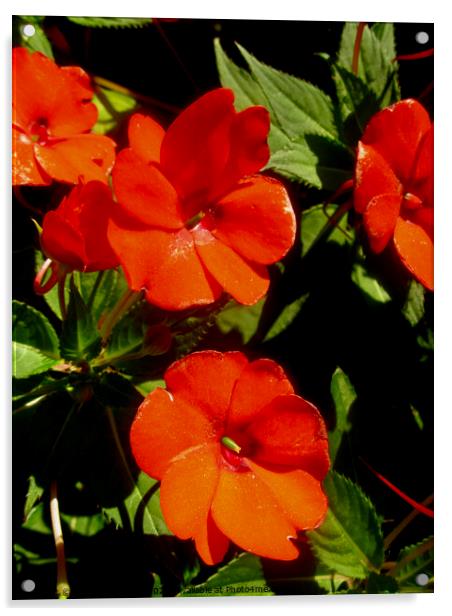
[94,290]
[124,304]
[404,523]
[63,589]
[61,297]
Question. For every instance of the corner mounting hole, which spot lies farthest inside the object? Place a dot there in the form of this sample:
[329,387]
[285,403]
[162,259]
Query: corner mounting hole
[422,38]
[28,30]
[422,579]
[28,585]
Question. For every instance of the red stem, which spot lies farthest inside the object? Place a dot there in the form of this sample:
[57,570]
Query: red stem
[415,56]
[425,510]
[357,46]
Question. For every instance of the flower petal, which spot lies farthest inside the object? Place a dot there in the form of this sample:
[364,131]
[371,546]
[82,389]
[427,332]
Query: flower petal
[246,282]
[43,91]
[61,242]
[247,512]
[299,495]
[164,263]
[396,132]
[373,176]
[256,220]
[85,157]
[96,207]
[415,249]
[144,192]
[290,431]
[259,383]
[196,146]
[206,380]
[421,182]
[425,218]
[380,219]
[187,490]
[163,428]
[24,167]
[211,543]
[145,137]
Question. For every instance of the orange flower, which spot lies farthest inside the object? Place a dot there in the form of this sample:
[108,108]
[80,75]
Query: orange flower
[394,185]
[239,455]
[52,113]
[193,220]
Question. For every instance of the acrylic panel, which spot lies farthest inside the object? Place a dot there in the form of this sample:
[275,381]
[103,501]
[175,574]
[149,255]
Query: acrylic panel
[222,307]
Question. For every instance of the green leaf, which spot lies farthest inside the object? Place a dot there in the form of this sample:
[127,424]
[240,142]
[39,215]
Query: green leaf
[241,319]
[34,494]
[38,40]
[85,525]
[315,223]
[35,343]
[413,309]
[296,106]
[350,540]
[286,317]
[368,284]
[247,91]
[101,290]
[344,395]
[113,107]
[375,65]
[146,387]
[381,584]
[111,22]
[243,575]
[412,561]
[304,139]
[314,160]
[80,339]
[127,336]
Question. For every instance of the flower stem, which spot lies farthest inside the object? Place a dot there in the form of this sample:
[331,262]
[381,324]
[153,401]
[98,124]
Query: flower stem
[404,523]
[63,589]
[125,302]
[357,46]
[61,297]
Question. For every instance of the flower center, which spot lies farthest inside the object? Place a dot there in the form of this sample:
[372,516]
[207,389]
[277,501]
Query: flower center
[231,455]
[39,131]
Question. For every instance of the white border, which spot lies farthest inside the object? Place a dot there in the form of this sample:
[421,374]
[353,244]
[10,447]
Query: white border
[382,10]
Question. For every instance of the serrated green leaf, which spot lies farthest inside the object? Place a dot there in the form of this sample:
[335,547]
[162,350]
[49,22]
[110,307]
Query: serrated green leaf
[344,395]
[296,106]
[303,138]
[314,160]
[413,309]
[375,66]
[101,290]
[113,107]
[350,540]
[368,284]
[80,339]
[315,223]
[412,561]
[34,494]
[35,343]
[127,337]
[111,22]
[241,319]
[247,91]
[243,575]
[286,317]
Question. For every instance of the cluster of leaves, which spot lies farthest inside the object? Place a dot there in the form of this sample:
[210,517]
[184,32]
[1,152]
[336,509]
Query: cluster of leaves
[76,390]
